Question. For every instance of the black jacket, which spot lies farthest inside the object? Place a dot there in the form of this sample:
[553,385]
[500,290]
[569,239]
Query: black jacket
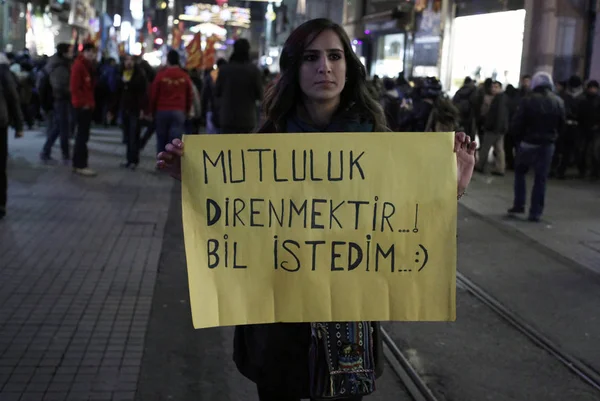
[589,113]
[133,93]
[497,119]
[238,88]
[10,110]
[277,355]
[59,69]
[540,117]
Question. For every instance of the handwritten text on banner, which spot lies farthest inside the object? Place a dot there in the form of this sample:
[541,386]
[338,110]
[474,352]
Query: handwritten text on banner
[320,227]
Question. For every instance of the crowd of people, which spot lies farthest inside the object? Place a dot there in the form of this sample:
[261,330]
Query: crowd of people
[70,93]
[544,126]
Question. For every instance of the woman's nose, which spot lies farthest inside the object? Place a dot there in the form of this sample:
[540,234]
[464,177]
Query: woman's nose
[324,66]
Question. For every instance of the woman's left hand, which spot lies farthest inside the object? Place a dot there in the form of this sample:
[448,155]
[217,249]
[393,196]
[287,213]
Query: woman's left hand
[465,159]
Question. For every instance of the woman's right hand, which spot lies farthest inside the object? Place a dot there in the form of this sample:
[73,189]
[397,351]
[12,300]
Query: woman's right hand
[170,159]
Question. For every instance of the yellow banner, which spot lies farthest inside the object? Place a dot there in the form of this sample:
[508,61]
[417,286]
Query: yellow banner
[320,227]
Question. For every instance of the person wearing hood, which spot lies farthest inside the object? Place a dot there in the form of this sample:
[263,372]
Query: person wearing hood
[10,114]
[55,98]
[238,89]
[567,140]
[589,123]
[539,120]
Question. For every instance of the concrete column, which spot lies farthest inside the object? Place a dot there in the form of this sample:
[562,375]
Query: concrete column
[445,64]
[595,62]
[528,38]
[546,33]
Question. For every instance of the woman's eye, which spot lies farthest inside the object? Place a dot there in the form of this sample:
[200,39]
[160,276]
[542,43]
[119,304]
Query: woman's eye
[310,57]
[335,57]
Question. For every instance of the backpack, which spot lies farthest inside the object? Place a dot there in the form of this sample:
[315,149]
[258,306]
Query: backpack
[45,90]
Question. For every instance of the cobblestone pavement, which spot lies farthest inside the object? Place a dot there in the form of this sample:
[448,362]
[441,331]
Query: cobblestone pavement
[78,260]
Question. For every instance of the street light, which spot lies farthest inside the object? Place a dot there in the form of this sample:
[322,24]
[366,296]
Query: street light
[117,21]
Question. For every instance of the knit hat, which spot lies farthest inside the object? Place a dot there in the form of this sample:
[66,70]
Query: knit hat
[542,79]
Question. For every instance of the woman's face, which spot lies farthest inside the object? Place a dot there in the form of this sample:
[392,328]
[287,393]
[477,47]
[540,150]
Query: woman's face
[129,63]
[323,68]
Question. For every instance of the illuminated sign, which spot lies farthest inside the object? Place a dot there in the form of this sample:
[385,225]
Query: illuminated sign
[211,13]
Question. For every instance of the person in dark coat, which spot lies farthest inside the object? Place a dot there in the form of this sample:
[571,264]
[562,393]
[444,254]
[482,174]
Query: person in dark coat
[322,88]
[463,101]
[239,88]
[495,127]
[56,96]
[589,119]
[10,115]
[537,124]
[567,139]
[512,102]
[210,105]
[132,90]
[390,102]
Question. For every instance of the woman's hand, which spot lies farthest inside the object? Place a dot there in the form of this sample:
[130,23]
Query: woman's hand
[465,160]
[170,159]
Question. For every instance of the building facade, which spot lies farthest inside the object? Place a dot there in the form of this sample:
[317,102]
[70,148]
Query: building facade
[452,39]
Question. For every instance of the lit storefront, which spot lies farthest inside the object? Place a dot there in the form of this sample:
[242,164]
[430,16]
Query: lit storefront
[224,23]
[403,37]
[482,47]
[486,41]
[12,25]
[41,30]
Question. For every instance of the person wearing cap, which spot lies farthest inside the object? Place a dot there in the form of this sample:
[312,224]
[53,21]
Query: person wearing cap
[537,124]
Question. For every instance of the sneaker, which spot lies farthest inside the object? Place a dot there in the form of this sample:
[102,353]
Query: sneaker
[86,172]
[534,219]
[516,210]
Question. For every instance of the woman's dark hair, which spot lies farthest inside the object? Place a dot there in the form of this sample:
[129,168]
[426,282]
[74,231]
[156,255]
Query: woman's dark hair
[241,51]
[281,99]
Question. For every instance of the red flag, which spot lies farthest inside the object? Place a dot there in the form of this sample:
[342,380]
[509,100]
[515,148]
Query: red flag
[209,52]
[194,53]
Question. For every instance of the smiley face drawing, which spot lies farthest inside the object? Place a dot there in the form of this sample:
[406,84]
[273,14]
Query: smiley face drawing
[422,255]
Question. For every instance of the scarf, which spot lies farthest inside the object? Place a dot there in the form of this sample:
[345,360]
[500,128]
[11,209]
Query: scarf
[342,363]
[127,74]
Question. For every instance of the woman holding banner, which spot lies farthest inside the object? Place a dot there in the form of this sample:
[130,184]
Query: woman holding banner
[322,89]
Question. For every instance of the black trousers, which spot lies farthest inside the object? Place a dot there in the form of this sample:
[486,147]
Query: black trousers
[84,124]
[267,394]
[131,131]
[3,166]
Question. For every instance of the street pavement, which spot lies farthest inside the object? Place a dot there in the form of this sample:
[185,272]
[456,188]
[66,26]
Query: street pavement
[94,301]
[77,273]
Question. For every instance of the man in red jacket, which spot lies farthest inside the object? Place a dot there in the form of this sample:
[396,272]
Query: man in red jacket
[82,96]
[170,101]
